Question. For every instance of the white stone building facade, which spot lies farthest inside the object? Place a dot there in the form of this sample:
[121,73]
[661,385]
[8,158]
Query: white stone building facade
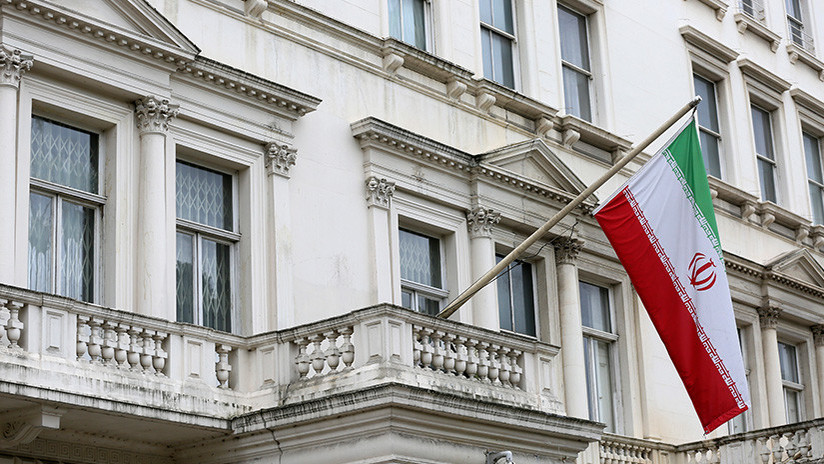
[228,225]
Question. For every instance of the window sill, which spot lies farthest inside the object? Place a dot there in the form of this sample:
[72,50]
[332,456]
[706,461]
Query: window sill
[746,22]
[797,53]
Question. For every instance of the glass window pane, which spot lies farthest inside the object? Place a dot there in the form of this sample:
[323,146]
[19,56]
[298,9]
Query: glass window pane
[762,132]
[76,268]
[502,15]
[794,9]
[792,402]
[502,60]
[428,305]
[406,299]
[738,424]
[747,7]
[216,285]
[576,94]
[41,232]
[203,196]
[603,369]
[595,307]
[788,361]
[573,33]
[185,280]
[64,155]
[817,203]
[504,297]
[766,176]
[418,37]
[707,110]
[709,150]
[813,156]
[486,11]
[522,299]
[486,51]
[420,258]
[395,19]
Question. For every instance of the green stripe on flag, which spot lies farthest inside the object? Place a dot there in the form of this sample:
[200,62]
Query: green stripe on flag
[686,150]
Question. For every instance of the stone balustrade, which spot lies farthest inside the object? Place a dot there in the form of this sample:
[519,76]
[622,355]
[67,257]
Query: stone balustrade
[616,449]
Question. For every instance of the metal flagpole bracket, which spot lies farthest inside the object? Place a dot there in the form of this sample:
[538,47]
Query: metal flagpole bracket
[452,307]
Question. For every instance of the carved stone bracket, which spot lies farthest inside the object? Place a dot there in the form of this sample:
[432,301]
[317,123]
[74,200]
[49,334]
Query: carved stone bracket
[379,192]
[280,158]
[255,8]
[567,249]
[22,426]
[154,114]
[14,63]
[768,316]
[818,334]
[480,220]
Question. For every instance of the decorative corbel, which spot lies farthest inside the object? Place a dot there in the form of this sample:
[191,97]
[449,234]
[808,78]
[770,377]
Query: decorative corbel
[455,88]
[484,100]
[255,8]
[802,232]
[747,210]
[570,137]
[22,426]
[392,62]
[767,218]
[542,126]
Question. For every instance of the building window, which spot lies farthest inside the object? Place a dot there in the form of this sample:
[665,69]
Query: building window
[764,152]
[498,41]
[65,210]
[516,298]
[205,246]
[408,21]
[575,63]
[795,24]
[741,422]
[793,388]
[421,281]
[708,127]
[599,347]
[753,8]
[815,176]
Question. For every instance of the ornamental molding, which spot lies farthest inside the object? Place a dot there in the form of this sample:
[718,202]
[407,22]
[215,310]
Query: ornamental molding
[818,334]
[23,425]
[379,192]
[480,220]
[707,44]
[761,75]
[767,274]
[14,63]
[154,114]
[567,249]
[65,451]
[768,316]
[280,158]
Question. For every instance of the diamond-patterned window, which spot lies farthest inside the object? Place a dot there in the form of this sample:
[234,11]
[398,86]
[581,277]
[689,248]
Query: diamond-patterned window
[64,210]
[204,246]
[421,284]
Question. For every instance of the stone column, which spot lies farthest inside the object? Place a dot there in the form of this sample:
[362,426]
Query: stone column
[13,63]
[768,317]
[479,221]
[818,339]
[153,115]
[280,158]
[572,337]
[379,200]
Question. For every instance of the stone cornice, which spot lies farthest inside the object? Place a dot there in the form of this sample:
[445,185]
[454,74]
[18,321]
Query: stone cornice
[762,273]
[536,189]
[707,44]
[762,75]
[807,100]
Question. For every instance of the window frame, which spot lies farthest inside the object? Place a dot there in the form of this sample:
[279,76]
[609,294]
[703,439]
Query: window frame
[773,163]
[534,276]
[815,135]
[566,64]
[201,232]
[418,289]
[427,25]
[513,41]
[61,194]
[717,135]
[789,386]
[797,26]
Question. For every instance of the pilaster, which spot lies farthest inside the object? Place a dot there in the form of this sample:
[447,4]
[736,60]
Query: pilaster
[768,318]
[479,223]
[572,337]
[818,341]
[378,194]
[280,159]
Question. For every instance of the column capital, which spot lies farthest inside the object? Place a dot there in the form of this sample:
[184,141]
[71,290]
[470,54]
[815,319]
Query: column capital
[280,158]
[768,316]
[154,114]
[14,63]
[818,334]
[480,220]
[567,249]
[379,192]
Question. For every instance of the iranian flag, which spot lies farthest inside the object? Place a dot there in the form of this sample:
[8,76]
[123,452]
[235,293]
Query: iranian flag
[662,227]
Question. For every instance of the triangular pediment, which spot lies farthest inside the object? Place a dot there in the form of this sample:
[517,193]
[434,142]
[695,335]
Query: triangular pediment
[534,160]
[799,265]
[132,16]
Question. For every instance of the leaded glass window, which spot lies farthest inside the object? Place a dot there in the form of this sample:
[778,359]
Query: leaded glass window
[421,283]
[498,41]
[64,210]
[204,246]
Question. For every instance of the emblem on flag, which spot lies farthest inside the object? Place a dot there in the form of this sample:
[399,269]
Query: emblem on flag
[702,272]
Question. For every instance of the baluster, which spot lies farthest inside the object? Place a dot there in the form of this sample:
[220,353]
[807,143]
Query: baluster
[416,345]
[318,358]
[517,370]
[82,337]
[506,370]
[437,350]
[302,359]
[765,450]
[121,346]
[347,349]
[332,352]
[109,342]
[426,349]
[460,355]
[148,351]
[4,316]
[448,354]
[95,339]
[160,355]
[135,347]
[222,367]
[494,365]
[483,361]
[14,326]
[777,450]
[471,358]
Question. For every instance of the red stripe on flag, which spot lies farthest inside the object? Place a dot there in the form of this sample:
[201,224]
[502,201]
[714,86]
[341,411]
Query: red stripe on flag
[706,387]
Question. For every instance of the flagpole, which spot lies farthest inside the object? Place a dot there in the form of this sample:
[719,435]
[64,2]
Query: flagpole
[520,249]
